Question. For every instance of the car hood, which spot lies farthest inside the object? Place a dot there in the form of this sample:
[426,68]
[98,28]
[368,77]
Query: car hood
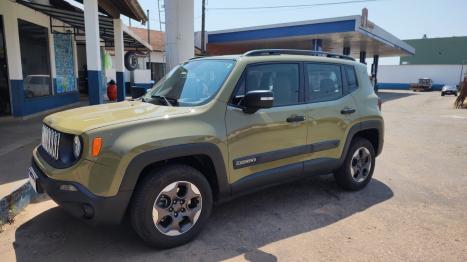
[448,88]
[82,119]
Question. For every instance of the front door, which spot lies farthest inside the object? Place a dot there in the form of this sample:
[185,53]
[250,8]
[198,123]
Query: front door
[331,111]
[264,147]
[5,105]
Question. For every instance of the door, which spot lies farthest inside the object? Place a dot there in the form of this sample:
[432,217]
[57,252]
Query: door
[331,111]
[264,147]
[5,105]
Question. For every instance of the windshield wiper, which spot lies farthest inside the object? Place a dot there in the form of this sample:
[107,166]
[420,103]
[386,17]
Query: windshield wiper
[166,99]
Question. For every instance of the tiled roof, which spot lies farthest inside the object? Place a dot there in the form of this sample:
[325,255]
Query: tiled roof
[157,37]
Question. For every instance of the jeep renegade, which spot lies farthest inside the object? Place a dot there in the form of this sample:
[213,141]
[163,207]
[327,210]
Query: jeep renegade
[211,129]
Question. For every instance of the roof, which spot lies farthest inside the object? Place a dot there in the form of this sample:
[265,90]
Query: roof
[129,8]
[336,33]
[157,37]
[74,17]
[438,51]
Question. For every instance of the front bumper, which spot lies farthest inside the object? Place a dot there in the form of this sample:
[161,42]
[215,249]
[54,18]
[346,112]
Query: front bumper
[81,203]
[449,92]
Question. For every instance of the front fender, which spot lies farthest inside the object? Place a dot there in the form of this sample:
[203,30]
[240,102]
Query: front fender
[138,163]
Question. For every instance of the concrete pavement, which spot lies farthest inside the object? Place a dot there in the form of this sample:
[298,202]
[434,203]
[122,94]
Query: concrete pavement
[413,210]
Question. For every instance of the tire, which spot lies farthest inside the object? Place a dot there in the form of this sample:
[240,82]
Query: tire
[154,187]
[455,94]
[442,94]
[131,62]
[353,181]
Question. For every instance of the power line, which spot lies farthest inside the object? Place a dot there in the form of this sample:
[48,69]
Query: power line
[293,6]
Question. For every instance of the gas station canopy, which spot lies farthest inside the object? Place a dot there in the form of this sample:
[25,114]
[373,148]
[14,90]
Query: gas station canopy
[351,35]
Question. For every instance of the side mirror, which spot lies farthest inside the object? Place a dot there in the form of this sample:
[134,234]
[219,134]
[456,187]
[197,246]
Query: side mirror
[255,100]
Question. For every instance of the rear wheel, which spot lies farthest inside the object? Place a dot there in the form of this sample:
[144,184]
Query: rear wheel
[442,93]
[171,206]
[359,164]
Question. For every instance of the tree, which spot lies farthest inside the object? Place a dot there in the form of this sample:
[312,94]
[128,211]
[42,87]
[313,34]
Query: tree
[459,103]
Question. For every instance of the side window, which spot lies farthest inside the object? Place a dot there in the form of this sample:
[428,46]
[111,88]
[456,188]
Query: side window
[351,78]
[324,82]
[281,79]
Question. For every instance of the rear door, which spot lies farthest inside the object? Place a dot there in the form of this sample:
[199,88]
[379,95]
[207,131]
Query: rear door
[331,110]
[264,147]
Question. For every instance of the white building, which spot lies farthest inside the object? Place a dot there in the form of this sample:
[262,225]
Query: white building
[441,59]
[48,51]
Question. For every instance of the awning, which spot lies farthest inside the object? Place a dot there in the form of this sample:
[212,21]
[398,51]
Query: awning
[130,8]
[74,17]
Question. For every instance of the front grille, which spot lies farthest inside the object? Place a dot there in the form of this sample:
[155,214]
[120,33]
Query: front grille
[50,141]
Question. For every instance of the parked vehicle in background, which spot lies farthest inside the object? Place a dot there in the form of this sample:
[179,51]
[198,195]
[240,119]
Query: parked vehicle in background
[424,84]
[37,85]
[213,128]
[448,90]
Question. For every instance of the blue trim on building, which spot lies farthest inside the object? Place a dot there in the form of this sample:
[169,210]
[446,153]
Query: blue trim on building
[120,86]
[96,94]
[287,31]
[17,97]
[405,86]
[23,106]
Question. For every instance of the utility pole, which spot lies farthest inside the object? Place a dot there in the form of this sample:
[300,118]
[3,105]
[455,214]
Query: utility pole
[203,28]
[149,42]
[462,70]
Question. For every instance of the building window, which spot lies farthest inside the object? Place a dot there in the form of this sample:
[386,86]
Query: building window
[35,59]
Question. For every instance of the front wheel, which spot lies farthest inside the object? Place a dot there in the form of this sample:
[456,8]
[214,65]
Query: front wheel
[171,206]
[359,164]
[442,93]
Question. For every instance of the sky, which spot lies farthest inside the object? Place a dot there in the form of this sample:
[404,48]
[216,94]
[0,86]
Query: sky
[406,19]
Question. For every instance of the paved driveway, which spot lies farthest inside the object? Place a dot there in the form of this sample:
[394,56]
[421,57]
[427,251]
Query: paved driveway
[415,208]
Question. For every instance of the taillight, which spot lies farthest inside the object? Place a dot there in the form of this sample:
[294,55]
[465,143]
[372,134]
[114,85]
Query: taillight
[379,103]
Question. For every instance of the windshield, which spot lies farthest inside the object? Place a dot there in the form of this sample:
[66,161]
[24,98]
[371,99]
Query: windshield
[190,84]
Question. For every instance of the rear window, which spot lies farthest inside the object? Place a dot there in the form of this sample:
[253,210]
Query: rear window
[324,82]
[350,78]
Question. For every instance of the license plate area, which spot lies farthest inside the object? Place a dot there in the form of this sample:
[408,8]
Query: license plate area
[33,180]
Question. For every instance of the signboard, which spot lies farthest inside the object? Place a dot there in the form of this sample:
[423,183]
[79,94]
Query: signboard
[64,63]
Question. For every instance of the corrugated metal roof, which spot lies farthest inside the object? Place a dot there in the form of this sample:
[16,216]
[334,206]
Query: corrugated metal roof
[437,51]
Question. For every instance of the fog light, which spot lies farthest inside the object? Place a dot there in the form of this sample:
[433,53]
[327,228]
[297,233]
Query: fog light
[88,211]
[68,188]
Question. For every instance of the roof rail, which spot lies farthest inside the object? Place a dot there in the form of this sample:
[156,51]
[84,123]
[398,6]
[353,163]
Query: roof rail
[261,52]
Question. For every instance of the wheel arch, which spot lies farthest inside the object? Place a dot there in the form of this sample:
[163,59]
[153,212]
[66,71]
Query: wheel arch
[205,157]
[373,130]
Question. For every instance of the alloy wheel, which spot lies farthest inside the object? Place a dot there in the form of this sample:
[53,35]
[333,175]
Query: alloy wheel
[360,165]
[177,208]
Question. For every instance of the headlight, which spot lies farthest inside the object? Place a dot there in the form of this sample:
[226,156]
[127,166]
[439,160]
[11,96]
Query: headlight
[76,147]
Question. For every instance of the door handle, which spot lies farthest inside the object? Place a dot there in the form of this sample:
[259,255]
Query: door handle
[295,118]
[347,111]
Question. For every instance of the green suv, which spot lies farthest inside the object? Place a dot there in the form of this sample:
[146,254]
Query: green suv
[213,128]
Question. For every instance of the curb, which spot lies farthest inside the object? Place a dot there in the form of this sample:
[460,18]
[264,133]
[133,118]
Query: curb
[14,203]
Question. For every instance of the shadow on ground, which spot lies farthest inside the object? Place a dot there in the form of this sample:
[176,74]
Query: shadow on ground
[236,228]
[388,95]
